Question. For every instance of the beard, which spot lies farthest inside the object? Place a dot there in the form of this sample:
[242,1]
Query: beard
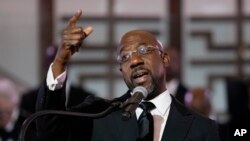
[151,85]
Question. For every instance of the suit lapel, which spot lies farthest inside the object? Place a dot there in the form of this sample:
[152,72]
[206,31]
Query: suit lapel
[179,120]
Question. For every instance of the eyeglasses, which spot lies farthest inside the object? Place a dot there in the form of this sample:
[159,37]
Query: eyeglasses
[141,50]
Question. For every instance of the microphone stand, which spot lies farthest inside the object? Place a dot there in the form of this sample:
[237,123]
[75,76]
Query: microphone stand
[34,116]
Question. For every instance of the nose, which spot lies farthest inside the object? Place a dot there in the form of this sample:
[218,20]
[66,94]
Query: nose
[136,60]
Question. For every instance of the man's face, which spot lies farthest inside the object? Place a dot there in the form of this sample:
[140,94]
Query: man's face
[141,62]
[6,108]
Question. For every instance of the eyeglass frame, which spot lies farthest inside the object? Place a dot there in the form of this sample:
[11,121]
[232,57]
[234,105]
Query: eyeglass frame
[149,49]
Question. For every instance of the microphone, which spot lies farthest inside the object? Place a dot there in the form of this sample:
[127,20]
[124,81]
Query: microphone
[139,93]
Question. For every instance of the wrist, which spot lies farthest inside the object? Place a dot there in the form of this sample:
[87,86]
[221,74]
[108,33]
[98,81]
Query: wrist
[58,67]
[59,62]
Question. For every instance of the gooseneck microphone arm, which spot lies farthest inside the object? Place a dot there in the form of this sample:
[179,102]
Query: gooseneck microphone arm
[34,116]
[139,93]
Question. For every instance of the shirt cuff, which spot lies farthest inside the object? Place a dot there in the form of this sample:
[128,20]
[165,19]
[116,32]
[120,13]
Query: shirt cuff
[54,84]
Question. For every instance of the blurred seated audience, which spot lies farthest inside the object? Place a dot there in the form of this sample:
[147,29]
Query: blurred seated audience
[10,118]
[199,99]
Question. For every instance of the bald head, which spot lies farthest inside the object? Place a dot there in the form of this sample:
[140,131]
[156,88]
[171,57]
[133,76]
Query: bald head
[137,37]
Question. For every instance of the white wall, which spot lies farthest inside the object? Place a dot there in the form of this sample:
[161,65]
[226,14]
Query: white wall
[18,40]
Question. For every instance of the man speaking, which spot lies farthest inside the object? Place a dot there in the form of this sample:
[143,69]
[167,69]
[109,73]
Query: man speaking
[157,117]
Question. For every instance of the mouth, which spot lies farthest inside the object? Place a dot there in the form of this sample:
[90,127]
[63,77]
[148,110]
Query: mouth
[139,77]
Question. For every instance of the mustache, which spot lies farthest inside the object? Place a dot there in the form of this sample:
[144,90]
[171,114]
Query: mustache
[135,70]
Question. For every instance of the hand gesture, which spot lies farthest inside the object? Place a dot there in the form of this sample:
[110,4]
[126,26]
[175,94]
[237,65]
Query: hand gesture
[72,39]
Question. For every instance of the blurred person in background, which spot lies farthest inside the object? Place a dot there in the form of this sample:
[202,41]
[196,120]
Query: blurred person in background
[199,99]
[10,117]
[174,85]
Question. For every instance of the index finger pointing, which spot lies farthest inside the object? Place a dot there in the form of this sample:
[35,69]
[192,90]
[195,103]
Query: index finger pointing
[75,18]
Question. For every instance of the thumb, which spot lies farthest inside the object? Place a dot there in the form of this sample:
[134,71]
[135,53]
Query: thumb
[88,31]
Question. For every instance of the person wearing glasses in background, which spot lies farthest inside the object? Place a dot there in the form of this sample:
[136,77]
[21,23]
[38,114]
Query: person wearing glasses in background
[142,63]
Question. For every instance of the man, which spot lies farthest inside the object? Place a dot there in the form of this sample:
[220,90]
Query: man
[142,63]
[174,86]
[199,100]
[10,117]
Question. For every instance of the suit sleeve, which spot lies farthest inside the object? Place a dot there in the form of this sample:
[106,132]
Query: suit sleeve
[51,127]
[65,128]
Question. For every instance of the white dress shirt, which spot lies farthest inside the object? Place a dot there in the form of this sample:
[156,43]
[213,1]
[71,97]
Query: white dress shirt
[55,83]
[160,113]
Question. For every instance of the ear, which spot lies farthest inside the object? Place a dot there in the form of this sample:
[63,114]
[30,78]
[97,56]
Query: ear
[166,58]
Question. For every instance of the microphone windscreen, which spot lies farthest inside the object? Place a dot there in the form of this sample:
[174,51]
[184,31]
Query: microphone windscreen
[140,89]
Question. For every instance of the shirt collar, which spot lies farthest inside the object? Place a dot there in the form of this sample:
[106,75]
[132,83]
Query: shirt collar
[14,117]
[172,86]
[162,102]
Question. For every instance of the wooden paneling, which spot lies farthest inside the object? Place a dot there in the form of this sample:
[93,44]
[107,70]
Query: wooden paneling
[46,30]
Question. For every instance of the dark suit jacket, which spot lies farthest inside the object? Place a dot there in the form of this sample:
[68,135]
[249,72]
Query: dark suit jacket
[182,124]
[28,107]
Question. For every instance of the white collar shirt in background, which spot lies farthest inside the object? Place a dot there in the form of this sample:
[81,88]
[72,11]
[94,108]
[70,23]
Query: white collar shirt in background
[14,117]
[172,86]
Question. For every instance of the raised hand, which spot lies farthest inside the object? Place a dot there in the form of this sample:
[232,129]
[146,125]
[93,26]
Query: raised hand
[72,39]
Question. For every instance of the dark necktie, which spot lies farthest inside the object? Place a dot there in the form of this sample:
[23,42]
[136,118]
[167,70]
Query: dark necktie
[146,122]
